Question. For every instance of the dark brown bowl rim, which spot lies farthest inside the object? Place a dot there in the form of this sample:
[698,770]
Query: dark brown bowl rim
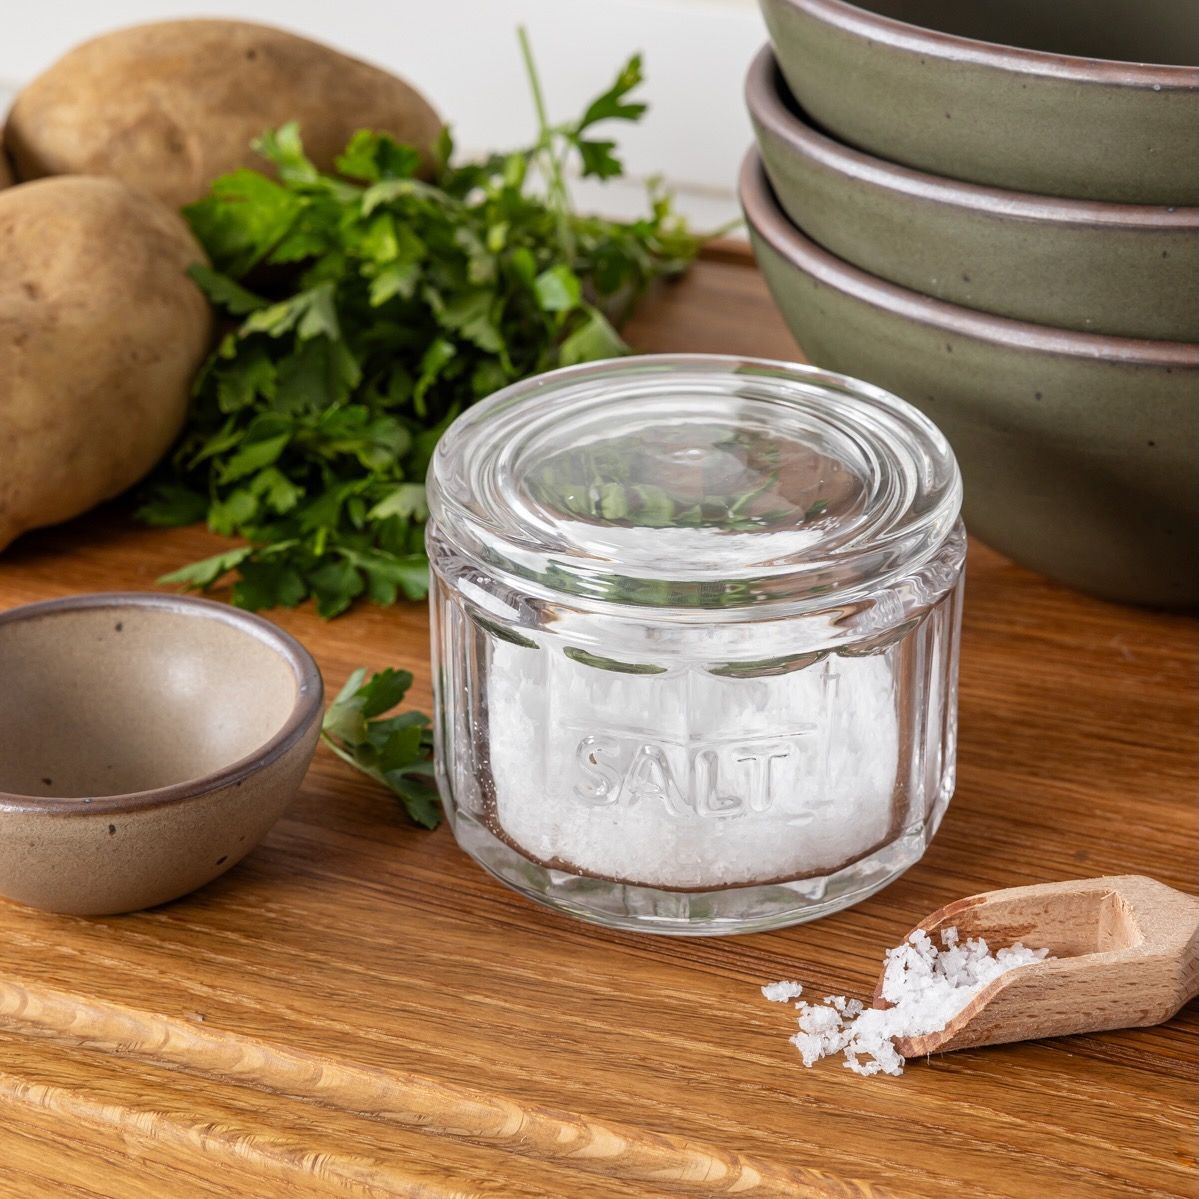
[949,47]
[764,96]
[304,713]
[766,218]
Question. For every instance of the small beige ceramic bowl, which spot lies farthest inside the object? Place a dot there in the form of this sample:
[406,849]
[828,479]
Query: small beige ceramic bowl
[147,744]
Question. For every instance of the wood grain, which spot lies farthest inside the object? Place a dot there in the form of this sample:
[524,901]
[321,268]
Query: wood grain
[401,1097]
[358,1009]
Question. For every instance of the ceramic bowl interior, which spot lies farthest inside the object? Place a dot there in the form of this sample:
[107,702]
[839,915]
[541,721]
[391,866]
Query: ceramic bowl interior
[1155,31]
[113,695]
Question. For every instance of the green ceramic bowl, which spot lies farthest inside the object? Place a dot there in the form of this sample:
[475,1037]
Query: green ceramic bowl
[1078,451]
[1054,97]
[1127,269]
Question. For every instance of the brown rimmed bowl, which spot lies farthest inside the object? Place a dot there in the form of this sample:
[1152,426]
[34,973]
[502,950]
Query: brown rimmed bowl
[1078,452]
[147,744]
[1126,269]
[1095,99]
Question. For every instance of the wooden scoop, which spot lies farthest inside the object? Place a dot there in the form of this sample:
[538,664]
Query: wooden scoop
[1125,953]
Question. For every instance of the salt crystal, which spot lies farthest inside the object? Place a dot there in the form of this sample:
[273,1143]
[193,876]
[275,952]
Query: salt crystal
[927,987]
[823,1020]
[782,992]
[812,1047]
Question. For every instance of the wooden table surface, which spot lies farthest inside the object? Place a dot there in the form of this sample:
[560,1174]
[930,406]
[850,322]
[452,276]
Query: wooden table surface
[358,1010]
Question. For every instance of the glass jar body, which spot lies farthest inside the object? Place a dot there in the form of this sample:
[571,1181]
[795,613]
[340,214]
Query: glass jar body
[694,772]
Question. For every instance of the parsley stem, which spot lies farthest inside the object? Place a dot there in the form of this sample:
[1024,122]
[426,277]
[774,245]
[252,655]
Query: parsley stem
[526,53]
[551,165]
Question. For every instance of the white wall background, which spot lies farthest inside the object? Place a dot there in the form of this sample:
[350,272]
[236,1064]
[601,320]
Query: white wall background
[463,55]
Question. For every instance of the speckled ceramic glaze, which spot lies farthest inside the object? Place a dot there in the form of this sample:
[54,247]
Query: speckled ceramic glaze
[147,744]
[1078,451]
[1055,98]
[1126,269]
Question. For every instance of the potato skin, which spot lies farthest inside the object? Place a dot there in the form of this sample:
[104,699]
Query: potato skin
[101,332]
[170,106]
[5,171]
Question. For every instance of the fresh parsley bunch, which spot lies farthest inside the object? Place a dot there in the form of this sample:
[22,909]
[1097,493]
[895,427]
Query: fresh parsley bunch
[366,311]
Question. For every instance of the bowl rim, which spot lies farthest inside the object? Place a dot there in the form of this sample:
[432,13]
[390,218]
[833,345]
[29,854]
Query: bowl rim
[766,218]
[765,96]
[305,711]
[951,47]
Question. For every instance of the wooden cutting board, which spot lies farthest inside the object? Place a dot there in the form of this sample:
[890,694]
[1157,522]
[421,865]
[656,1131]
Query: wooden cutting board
[358,1010]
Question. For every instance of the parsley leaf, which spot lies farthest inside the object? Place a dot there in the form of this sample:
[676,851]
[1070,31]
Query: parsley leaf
[612,105]
[395,750]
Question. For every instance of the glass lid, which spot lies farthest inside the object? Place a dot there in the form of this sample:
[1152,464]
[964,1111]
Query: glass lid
[695,481]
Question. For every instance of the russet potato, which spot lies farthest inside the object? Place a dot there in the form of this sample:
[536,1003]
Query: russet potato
[170,106]
[101,332]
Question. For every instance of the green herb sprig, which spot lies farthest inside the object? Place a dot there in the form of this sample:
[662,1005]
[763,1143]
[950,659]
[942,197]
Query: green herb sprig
[395,750]
[365,312]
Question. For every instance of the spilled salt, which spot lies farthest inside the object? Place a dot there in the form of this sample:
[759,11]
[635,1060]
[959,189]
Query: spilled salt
[926,987]
[782,992]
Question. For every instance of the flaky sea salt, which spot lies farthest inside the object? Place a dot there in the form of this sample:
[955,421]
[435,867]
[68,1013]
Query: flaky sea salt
[782,992]
[926,987]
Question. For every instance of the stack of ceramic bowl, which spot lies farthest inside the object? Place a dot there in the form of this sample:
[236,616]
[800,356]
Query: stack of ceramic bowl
[986,210]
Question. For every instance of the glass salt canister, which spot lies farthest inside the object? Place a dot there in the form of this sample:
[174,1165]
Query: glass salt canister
[695,639]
